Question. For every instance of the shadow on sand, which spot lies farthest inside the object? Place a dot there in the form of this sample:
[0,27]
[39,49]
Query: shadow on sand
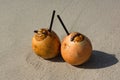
[99,60]
[57,58]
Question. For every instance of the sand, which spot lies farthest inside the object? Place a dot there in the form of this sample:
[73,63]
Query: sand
[99,20]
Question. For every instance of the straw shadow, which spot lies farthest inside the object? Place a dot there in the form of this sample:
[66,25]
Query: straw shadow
[57,58]
[99,60]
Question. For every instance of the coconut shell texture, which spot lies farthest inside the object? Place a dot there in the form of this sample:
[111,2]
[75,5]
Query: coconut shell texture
[76,51]
[46,44]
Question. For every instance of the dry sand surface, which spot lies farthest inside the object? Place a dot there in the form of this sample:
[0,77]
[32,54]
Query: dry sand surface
[97,19]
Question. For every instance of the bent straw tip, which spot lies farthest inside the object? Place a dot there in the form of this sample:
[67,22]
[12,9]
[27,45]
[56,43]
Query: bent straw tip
[35,31]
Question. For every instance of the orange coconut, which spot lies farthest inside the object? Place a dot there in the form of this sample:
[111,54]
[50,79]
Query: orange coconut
[45,43]
[76,48]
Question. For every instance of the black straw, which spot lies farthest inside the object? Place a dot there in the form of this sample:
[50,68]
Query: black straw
[35,31]
[52,20]
[63,25]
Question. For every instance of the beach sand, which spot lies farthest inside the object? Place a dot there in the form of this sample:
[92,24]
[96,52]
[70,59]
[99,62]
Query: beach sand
[99,20]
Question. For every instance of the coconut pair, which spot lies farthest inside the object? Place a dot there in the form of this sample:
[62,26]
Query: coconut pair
[75,48]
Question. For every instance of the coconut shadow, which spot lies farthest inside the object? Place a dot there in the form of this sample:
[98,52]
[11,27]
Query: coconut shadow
[98,60]
[58,58]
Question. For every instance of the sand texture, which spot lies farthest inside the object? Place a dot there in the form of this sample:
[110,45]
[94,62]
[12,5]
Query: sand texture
[99,20]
